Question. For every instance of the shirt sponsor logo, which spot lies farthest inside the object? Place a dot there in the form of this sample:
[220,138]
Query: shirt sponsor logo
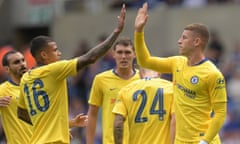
[187,92]
[220,83]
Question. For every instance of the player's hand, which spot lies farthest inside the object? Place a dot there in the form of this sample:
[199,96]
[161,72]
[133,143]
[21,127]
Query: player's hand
[141,18]
[121,19]
[5,101]
[79,121]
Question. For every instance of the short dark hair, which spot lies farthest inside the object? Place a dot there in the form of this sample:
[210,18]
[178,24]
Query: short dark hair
[38,43]
[125,41]
[5,61]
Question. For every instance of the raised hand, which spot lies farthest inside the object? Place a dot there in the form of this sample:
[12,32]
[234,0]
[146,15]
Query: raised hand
[141,18]
[121,19]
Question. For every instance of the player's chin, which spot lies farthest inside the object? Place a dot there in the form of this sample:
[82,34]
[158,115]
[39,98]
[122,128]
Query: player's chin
[181,52]
[124,66]
[23,71]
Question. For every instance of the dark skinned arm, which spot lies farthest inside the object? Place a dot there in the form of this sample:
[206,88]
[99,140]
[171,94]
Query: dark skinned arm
[98,51]
[118,129]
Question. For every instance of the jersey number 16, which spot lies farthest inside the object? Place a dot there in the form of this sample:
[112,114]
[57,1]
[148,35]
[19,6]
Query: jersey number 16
[37,95]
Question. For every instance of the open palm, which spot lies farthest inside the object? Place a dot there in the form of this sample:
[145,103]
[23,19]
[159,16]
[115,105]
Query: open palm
[141,18]
[121,19]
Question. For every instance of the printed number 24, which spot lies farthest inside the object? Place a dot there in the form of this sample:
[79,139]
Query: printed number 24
[158,99]
[36,95]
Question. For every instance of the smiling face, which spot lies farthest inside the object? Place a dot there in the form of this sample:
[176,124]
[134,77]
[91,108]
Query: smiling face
[124,56]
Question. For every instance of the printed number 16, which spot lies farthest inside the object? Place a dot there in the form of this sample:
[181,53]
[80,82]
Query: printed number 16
[37,94]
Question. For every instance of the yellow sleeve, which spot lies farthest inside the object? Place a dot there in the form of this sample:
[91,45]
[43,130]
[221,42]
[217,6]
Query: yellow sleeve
[217,121]
[144,58]
[96,95]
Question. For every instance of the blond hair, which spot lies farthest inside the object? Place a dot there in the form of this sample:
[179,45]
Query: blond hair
[200,30]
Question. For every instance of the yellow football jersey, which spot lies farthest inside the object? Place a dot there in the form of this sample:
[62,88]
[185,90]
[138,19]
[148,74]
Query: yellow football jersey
[148,105]
[16,130]
[196,89]
[44,94]
[104,91]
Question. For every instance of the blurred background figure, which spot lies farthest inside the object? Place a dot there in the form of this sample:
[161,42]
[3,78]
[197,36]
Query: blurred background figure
[215,49]
[77,92]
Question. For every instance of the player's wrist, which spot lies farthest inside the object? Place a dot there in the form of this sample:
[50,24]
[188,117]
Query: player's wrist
[117,30]
[203,142]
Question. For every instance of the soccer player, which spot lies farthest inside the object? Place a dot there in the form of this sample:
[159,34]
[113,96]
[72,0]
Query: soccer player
[105,89]
[199,87]
[15,65]
[147,103]
[43,92]
[16,131]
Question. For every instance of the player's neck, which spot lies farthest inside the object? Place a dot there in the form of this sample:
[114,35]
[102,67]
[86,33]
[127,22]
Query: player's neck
[195,59]
[15,79]
[124,73]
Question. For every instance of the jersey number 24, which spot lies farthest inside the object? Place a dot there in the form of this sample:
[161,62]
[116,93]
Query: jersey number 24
[156,107]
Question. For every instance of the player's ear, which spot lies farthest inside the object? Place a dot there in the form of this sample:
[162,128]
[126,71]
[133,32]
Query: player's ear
[6,68]
[43,54]
[197,41]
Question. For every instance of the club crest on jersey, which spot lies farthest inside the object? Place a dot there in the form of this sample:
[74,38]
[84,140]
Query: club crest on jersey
[194,80]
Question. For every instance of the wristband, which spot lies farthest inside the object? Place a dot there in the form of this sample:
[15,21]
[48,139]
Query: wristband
[203,142]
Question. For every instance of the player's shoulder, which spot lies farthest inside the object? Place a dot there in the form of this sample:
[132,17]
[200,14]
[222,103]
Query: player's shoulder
[3,85]
[130,86]
[212,68]
[106,73]
[178,60]
[178,57]
[161,80]
[35,73]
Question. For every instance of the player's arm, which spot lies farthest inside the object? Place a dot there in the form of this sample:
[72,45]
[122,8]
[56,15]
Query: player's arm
[118,128]
[139,42]
[141,18]
[143,56]
[23,115]
[92,122]
[92,55]
[79,120]
[218,98]
[217,121]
